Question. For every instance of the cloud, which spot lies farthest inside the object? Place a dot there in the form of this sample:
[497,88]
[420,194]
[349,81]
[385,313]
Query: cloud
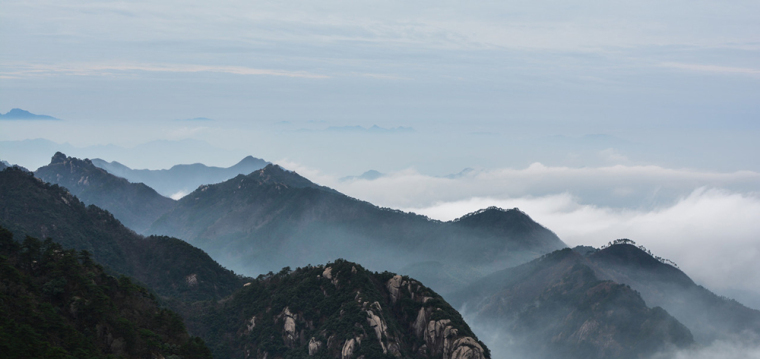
[741,347]
[711,233]
[713,69]
[704,221]
[106,69]
[616,186]
[185,132]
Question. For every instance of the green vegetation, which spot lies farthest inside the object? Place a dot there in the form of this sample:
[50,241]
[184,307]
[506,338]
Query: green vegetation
[168,266]
[57,303]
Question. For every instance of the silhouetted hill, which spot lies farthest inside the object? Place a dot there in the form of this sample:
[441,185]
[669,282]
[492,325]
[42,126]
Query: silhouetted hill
[273,218]
[513,226]
[557,307]
[57,303]
[171,267]
[19,114]
[339,310]
[707,315]
[134,204]
[181,179]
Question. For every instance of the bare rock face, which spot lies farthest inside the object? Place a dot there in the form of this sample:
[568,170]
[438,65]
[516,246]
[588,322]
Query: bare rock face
[393,286]
[349,347]
[290,336]
[314,346]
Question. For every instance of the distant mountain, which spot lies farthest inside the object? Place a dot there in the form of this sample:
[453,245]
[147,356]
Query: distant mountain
[370,175]
[708,316]
[19,114]
[556,306]
[134,204]
[57,303]
[4,165]
[181,179]
[339,310]
[272,218]
[169,266]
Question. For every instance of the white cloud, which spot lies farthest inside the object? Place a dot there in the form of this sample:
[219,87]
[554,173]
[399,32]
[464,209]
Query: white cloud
[711,234]
[15,70]
[713,68]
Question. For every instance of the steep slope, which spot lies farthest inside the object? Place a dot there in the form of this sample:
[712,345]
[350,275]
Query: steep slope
[181,179]
[556,306]
[168,266]
[134,204]
[707,315]
[340,310]
[273,218]
[57,303]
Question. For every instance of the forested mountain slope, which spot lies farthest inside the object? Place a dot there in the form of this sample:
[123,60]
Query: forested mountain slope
[169,266]
[57,303]
[339,310]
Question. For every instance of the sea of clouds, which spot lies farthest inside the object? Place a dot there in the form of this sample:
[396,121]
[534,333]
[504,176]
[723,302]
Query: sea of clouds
[706,222]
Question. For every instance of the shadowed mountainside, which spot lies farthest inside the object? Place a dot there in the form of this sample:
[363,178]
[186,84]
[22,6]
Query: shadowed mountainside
[134,204]
[169,266]
[181,179]
[709,316]
[556,306]
[273,218]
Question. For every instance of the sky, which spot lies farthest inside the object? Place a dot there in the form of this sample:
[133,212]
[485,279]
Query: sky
[602,120]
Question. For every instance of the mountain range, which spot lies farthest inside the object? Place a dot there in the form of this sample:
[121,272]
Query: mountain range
[273,218]
[520,288]
[181,179]
[134,204]
[338,310]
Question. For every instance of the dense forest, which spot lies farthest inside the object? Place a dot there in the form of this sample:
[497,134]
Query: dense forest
[58,303]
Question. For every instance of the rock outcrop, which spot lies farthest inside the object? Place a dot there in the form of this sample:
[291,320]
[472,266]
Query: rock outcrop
[340,311]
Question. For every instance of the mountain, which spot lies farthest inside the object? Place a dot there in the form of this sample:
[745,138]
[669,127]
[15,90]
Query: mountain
[339,310]
[134,204]
[556,306]
[709,317]
[181,179]
[4,165]
[19,114]
[169,266]
[273,218]
[57,303]
[370,175]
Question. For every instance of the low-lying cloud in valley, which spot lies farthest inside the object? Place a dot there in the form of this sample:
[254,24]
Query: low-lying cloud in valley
[706,222]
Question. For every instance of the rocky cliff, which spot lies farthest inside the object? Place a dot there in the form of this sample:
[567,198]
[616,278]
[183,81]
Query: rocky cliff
[339,310]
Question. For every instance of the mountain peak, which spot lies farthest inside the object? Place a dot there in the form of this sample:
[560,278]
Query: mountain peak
[627,254]
[58,157]
[274,174]
[19,114]
[510,223]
